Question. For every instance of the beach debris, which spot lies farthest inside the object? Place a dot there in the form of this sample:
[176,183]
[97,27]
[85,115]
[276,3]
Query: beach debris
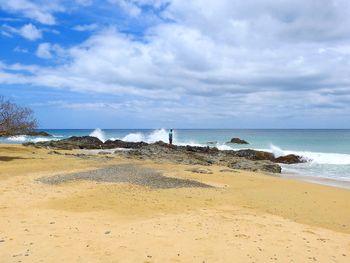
[228,171]
[54,152]
[200,170]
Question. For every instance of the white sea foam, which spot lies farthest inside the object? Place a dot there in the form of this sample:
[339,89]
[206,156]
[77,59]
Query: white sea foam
[19,138]
[41,139]
[315,157]
[134,137]
[156,135]
[224,147]
[277,152]
[24,138]
[191,143]
[98,133]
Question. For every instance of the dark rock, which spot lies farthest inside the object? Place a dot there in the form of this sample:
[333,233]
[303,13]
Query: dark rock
[254,166]
[160,151]
[199,149]
[121,144]
[290,159]
[29,133]
[84,142]
[40,133]
[271,168]
[163,144]
[238,141]
[254,155]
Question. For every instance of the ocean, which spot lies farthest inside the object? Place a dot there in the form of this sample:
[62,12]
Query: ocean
[327,151]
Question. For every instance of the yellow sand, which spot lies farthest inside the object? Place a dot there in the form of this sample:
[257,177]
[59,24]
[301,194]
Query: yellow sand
[248,217]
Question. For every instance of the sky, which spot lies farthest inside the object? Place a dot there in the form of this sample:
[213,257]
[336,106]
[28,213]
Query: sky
[178,63]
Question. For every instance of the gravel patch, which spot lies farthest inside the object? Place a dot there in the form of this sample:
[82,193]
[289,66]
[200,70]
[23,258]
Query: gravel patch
[126,173]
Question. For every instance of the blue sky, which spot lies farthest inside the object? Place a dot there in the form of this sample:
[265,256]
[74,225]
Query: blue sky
[177,63]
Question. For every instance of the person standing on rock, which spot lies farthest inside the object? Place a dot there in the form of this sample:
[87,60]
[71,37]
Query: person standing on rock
[171,136]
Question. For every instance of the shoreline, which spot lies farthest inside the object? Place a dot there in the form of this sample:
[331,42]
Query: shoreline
[333,182]
[322,180]
[338,183]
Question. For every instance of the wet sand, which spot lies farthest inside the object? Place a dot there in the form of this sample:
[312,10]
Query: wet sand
[244,217]
[319,180]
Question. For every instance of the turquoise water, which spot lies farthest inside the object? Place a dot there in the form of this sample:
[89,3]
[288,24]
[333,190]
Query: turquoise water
[328,151]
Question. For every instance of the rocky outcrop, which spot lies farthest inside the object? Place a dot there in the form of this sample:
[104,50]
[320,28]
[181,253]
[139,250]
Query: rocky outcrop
[238,141]
[29,133]
[84,142]
[121,144]
[254,155]
[266,166]
[193,155]
[290,159]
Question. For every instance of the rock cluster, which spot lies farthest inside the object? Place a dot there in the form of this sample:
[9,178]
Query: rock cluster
[238,141]
[290,159]
[243,159]
[29,133]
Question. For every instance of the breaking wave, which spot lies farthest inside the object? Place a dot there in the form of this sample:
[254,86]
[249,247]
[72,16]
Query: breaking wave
[25,138]
[98,133]
[315,157]
[157,135]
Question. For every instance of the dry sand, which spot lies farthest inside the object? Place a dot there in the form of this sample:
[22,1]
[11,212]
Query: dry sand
[247,217]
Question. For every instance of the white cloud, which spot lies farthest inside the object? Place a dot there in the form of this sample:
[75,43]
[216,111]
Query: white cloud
[20,50]
[84,2]
[229,58]
[87,27]
[44,51]
[38,10]
[129,7]
[28,31]
[48,51]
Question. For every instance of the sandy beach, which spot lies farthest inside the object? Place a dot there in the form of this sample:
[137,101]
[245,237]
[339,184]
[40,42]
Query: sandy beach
[242,217]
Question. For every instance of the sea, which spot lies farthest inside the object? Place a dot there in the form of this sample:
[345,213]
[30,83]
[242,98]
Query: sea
[327,151]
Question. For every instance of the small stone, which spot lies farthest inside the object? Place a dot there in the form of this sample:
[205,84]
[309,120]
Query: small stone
[107,232]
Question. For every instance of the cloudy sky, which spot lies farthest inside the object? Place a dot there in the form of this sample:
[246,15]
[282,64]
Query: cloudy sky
[178,63]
